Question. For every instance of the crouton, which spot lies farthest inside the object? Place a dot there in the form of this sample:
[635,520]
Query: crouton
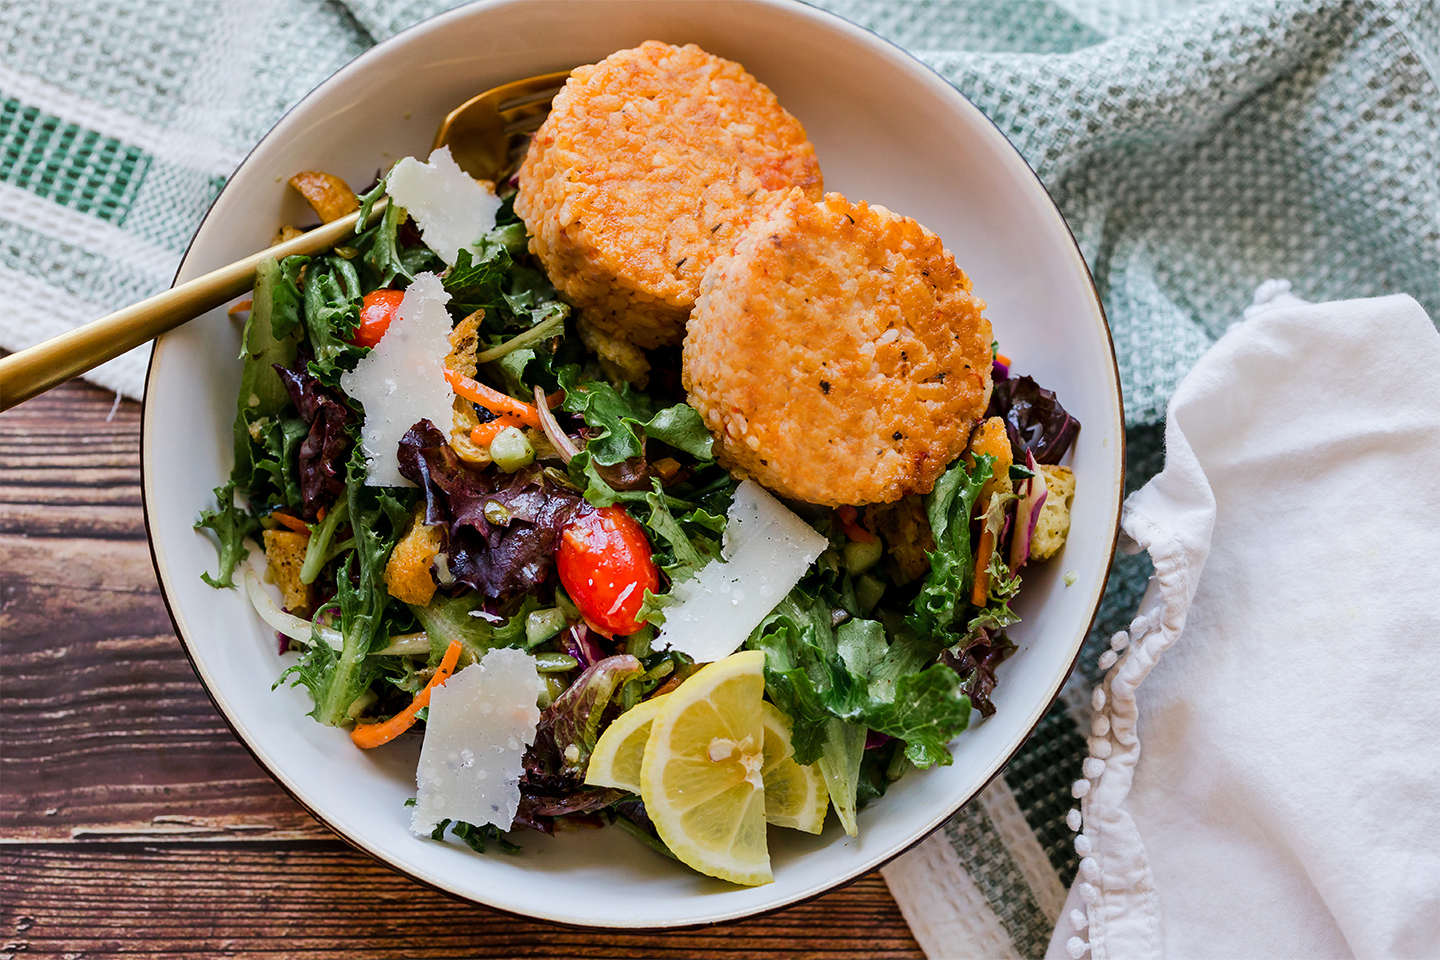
[466,420]
[407,574]
[1054,523]
[285,553]
[329,196]
[464,344]
[991,439]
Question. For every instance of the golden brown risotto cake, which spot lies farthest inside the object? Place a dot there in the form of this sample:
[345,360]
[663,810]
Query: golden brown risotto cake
[651,162]
[838,355]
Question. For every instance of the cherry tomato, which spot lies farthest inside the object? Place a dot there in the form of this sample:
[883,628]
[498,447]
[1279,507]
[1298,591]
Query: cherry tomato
[376,311]
[604,563]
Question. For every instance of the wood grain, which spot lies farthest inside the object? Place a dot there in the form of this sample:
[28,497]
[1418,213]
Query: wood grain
[132,822]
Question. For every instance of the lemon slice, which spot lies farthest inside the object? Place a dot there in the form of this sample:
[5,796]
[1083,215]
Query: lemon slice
[795,795]
[701,778]
[620,750]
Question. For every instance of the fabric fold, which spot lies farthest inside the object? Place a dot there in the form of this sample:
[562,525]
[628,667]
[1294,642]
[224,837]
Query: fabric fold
[1288,735]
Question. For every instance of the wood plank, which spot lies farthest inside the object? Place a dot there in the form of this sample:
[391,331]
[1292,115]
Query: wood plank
[325,900]
[131,821]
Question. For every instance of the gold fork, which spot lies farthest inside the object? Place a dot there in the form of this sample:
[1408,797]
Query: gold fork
[485,134]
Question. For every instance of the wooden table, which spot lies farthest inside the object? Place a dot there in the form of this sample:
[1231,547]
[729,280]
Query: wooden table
[133,822]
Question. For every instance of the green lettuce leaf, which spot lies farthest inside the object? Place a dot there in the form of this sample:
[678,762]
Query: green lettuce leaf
[448,619]
[477,279]
[943,597]
[816,674]
[378,517]
[332,314]
[231,524]
[272,335]
[623,418]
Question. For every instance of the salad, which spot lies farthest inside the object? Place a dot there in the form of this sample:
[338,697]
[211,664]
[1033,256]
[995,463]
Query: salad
[466,520]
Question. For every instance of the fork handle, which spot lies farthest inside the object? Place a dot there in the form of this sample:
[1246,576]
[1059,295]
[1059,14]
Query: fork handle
[33,371]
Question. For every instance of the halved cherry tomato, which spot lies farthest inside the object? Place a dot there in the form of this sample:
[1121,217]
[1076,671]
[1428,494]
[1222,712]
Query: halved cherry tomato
[604,563]
[376,311]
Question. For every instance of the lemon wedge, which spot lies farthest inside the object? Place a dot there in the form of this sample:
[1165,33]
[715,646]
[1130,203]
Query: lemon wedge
[701,778]
[795,795]
[620,750]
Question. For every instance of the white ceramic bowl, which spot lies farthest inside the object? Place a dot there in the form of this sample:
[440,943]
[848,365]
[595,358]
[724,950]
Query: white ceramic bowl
[887,130]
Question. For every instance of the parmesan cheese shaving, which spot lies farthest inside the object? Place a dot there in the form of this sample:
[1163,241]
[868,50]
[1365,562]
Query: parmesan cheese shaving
[767,550]
[452,210]
[480,722]
[402,380]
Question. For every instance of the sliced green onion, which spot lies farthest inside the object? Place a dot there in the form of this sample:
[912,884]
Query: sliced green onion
[318,551]
[550,327]
[405,645]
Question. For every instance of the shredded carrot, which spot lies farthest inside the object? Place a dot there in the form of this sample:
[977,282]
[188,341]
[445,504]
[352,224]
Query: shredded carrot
[370,735]
[1001,358]
[847,515]
[492,399]
[555,399]
[485,434]
[982,567]
[320,513]
[293,522]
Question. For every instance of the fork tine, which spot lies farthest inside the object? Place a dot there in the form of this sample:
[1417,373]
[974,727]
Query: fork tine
[516,116]
[480,131]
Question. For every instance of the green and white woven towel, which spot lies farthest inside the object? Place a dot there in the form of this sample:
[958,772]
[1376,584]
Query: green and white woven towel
[1195,148]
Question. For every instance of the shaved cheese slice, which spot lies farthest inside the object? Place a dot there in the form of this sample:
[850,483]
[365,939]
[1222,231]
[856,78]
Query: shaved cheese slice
[480,722]
[767,550]
[453,210]
[402,380]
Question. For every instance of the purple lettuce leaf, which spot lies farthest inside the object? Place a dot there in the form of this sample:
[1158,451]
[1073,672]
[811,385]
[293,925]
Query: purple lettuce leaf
[1034,419]
[553,783]
[500,558]
[976,665]
[325,449]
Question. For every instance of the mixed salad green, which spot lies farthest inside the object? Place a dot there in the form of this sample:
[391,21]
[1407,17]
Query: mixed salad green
[878,656]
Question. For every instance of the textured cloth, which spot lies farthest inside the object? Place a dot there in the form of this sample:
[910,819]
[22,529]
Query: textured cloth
[1284,801]
[1195,148]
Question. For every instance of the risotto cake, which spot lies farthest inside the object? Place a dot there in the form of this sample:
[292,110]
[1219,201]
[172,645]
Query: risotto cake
[652,162]
[838,355]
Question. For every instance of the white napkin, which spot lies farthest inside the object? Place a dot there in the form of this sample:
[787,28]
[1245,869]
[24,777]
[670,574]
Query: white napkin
[1287,801]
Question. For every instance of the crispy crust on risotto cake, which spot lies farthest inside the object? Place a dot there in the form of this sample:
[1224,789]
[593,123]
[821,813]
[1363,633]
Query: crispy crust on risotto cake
[651,163]
[838,356]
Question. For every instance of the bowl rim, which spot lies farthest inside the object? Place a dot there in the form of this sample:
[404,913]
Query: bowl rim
[869,865]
